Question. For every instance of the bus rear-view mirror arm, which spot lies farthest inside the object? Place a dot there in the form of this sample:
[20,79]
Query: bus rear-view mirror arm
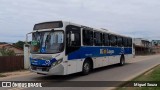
[26,41]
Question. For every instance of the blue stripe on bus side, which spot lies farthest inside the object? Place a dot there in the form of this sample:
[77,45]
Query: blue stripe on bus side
[84,52]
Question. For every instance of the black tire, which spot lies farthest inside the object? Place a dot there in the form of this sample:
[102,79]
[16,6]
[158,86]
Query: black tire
[122,61]
[86,67]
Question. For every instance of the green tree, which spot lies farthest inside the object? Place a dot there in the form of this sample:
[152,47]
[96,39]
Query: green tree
[7,52]
[19,44]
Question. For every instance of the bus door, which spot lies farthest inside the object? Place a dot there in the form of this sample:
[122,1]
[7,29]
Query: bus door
[73,43]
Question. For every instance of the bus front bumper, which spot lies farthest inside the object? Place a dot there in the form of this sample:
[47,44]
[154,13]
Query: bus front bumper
[57,70]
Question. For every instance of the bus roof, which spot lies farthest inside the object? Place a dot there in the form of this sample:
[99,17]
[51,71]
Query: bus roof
[101,29]
[83,26]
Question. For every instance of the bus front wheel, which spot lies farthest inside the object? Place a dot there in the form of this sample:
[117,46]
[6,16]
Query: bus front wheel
[86,67]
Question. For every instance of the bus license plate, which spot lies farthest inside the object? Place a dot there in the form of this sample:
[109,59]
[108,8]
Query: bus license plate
[39,69]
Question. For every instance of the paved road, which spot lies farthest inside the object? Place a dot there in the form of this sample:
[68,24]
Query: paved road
[136,67]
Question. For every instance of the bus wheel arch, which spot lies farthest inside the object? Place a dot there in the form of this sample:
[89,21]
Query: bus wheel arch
[122,60]
[87,66]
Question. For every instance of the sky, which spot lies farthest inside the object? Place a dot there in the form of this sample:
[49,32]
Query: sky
[135,18]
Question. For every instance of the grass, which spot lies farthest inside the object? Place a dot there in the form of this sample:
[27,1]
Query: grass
[151,75]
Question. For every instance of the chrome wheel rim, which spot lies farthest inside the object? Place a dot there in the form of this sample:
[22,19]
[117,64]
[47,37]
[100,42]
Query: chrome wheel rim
[86,67]
[122,61]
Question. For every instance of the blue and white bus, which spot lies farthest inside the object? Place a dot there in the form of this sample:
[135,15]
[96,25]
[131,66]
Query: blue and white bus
[62,48]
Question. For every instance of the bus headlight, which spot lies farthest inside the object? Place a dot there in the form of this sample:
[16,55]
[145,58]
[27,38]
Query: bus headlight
[57,62]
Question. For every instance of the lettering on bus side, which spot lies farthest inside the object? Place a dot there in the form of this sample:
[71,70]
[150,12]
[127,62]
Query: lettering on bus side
[106,51]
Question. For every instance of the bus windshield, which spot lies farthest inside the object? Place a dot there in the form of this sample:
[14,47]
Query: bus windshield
[47,42]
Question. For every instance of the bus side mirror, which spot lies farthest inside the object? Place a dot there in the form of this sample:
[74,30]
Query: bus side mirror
[72,37]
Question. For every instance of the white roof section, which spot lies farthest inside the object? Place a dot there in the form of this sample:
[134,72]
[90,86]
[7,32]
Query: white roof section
[95,29]
[101,29]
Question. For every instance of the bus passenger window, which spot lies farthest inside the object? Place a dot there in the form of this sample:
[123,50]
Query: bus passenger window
[125,42]
[106,40]
[113,40]
[119,41]
[87,37]
[97,39]
[129,42]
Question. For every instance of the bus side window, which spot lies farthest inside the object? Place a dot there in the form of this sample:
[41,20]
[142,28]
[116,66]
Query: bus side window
[109,40]
[113,40]
[77,38]
[97,39]
[119,41]
[116,41]
[106,40]
[87,37]
[125,42]
[129,42]
[101,37]
[73,38]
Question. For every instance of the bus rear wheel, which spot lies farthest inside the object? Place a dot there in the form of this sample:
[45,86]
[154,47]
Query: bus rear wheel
[86,67]
[122,61]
